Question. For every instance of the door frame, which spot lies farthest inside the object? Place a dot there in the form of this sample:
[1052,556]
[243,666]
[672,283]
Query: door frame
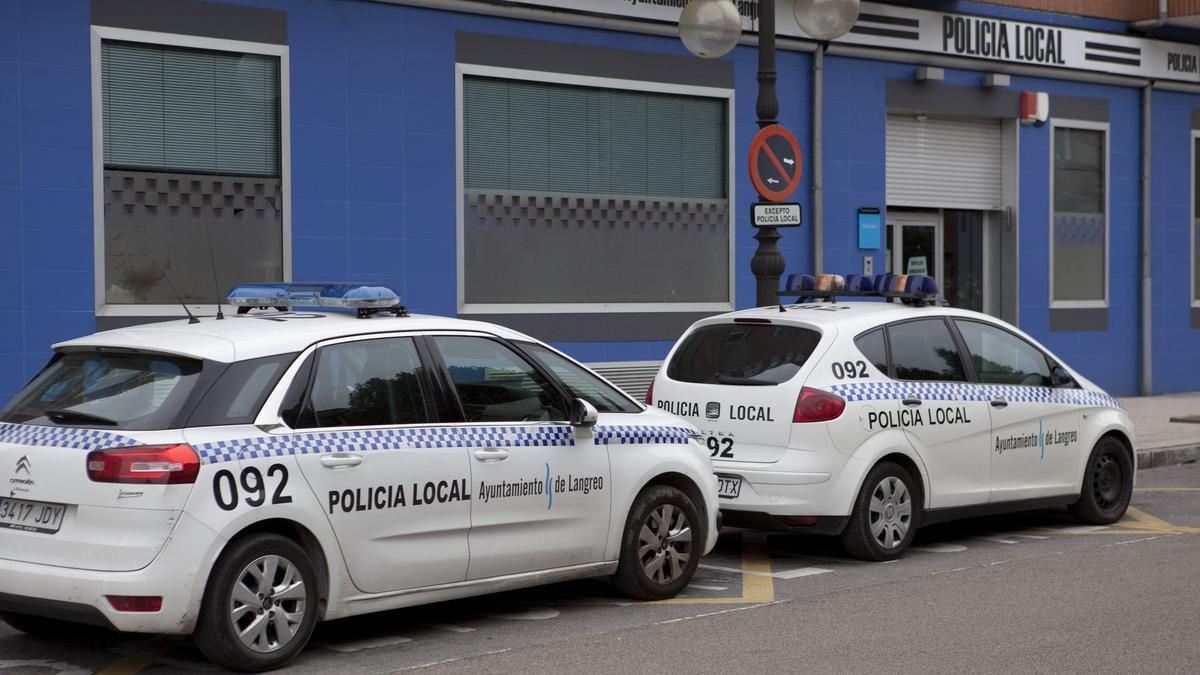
[899,219]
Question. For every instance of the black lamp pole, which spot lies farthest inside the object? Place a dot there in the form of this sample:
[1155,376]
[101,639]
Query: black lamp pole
[767,263]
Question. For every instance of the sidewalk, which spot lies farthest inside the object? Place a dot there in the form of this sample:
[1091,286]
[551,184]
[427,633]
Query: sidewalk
[1158,440]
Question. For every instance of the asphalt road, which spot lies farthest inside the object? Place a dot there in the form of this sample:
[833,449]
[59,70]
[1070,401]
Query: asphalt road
[1029,592]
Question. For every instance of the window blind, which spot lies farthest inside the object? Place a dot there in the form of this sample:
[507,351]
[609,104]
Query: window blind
[189,110]
[540,137]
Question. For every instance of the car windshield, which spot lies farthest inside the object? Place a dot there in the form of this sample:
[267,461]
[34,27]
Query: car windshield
[111,390]
[742,354]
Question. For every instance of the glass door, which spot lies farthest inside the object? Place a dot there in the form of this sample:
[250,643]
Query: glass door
[914,243]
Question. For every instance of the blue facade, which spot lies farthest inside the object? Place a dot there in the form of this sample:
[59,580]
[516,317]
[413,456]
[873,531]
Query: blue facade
[374,184]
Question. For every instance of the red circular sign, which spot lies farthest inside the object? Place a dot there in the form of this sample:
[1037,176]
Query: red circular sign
[775,163]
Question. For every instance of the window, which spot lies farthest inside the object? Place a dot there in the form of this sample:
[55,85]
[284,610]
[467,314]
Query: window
[872,346]
[240,391]
[1196,219]
[581,383]
[193,144]
[924,350]
[1003,358]
[369,383]
[1079,225]
[742,354]
[107,390]
[631,186]
[494,384]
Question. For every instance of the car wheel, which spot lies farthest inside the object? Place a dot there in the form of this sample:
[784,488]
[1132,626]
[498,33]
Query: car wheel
[40,626]
[661,545]
[260,605]
[1107,484]
[884,518]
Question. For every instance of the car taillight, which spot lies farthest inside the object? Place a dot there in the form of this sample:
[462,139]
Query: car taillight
[135,603]
[814,405]
[650,394]
[155,464]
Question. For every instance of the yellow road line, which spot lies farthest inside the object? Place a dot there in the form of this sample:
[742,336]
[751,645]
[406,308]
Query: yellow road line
[757,584]
[1146,521]
[138,662]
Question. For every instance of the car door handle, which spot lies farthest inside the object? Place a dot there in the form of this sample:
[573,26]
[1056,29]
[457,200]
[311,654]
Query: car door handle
[490,454]
[911,401]
[341,460]
[999,403]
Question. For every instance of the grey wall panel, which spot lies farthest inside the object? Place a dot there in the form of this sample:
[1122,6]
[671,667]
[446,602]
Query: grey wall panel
[1078,319]
[1196,317]
[1196,118]
[576,59]
[949,99]
[596,327]
[190,17]
[1078,108]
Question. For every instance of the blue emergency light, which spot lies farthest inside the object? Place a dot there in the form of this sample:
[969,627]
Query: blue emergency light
[910,289]
[365,299]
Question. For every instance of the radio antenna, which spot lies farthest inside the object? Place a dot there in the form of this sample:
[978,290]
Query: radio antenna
[191,317]
[212,265]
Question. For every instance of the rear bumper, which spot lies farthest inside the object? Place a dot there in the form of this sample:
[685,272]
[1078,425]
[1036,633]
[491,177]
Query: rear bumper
[800,484]
[177,575]
[757,520]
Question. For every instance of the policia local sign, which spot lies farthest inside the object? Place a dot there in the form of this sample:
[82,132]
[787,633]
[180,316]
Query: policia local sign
[949,34]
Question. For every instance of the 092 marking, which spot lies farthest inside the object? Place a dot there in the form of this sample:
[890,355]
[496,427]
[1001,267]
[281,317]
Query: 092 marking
[225,487]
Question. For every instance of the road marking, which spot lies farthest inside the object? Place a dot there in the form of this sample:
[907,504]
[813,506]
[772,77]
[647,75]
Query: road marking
[452,660]
[716,613]
[996,540]
[758,586]
[363,645]
[138,662]
[451,627]
[1145,521]
[784,574]
[524,614]
[941,548]
[1135,541]
[708,588]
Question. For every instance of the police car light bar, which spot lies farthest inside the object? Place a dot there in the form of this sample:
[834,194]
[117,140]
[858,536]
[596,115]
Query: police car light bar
[914,289]
[365,299]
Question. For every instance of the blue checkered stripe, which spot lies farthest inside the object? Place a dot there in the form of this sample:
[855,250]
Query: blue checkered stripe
[627,434]
[62,437]
[321,442]
[964,391]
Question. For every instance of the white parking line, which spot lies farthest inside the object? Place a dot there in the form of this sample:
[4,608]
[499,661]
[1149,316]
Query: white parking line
[363,645]
[452,628]
[785,574]
[708,588]
[941,548]
[996,540]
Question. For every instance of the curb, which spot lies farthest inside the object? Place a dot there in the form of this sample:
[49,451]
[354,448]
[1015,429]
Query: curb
[1148,458]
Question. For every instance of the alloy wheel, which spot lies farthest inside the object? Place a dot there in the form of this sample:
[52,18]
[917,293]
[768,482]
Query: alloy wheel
[267,603]
[890,512]
[665,543]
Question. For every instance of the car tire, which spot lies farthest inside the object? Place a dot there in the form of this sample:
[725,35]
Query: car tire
[661,545]
[1107,484]
[885,515]
[286,612]
[40,626]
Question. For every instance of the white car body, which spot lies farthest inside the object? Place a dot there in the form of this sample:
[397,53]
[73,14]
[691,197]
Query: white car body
[392,516]
[977,448]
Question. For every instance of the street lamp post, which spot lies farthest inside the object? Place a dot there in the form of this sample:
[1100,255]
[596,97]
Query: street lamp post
[767,263]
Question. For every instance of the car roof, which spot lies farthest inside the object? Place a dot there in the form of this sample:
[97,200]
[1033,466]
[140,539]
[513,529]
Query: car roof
[266,333]
[854,316]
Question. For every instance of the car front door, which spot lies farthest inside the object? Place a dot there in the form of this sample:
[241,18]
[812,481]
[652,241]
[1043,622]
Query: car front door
[1035,434]
[540,498]
[368,443]
[939,411]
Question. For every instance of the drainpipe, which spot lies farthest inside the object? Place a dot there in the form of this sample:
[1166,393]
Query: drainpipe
[818,170]
[1150,24]
[1147,326]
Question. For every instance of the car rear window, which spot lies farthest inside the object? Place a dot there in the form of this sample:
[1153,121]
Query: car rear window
[742,354]
[109,390]
[240,391]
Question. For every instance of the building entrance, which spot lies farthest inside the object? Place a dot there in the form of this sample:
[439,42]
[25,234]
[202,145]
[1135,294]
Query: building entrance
[946,244]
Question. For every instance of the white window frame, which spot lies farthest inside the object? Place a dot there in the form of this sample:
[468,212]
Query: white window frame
[1195,136]
[1056,124]
[466,69]
[101,33]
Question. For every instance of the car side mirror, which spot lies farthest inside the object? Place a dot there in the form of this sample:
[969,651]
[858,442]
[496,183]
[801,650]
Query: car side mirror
[583,414]
[1059,377]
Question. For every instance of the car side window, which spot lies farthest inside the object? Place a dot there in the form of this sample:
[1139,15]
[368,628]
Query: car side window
[494,384]
[1003,358]
[871,345]
[369,383]
[581,383]
[924,350]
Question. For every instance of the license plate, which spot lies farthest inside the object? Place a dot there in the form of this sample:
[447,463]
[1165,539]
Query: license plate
[729,487]
[28,516]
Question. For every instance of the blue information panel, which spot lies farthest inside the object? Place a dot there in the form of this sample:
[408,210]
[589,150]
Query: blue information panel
[868,228]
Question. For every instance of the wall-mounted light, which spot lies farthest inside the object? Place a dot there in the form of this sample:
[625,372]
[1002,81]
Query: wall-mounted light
[997,80]
[929,73]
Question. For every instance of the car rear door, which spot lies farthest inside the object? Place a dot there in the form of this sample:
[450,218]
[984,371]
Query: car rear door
[372,447]
[738,381]
[943,415]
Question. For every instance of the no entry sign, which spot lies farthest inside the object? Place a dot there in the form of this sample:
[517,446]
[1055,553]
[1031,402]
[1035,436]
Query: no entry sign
[775,163]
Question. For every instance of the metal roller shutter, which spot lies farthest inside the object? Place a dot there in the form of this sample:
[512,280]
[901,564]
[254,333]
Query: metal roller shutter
[943,162]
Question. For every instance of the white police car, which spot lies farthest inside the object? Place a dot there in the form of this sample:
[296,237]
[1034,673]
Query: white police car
[245,478]
[868,419]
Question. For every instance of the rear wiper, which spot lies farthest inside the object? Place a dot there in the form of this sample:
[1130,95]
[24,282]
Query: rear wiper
[68,416]
[728,379]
